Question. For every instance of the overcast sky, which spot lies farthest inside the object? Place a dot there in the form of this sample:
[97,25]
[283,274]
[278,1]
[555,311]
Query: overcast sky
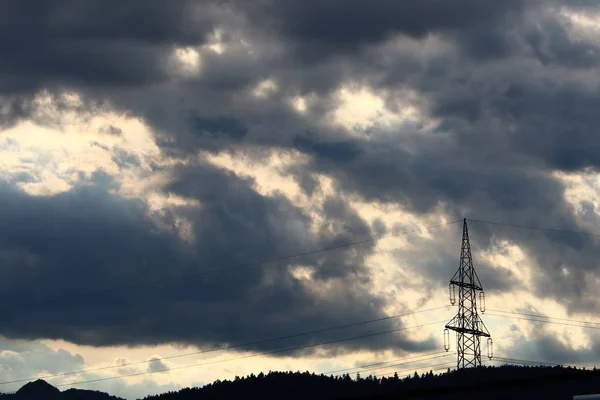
[148,140]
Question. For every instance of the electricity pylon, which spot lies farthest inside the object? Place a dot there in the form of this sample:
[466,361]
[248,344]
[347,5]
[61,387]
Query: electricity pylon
[468,325]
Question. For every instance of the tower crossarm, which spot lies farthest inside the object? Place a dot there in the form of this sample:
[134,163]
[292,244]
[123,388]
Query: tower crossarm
[468,331]
[466,285]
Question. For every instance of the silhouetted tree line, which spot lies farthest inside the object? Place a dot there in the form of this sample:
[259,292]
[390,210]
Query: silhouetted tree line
[489,382]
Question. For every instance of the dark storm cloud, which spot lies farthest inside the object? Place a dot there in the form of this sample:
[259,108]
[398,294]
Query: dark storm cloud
[335,152]
[321,29]
[86,43]
[12,110]
[87,240]
[220,126]
[513,93]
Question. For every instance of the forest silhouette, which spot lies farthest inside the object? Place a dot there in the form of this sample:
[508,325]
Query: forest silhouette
[502,382]
[515,382]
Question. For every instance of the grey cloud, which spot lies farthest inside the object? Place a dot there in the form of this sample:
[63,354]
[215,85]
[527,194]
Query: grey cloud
[156,365]
[24,359]
[220,126]
[321,29]
[125,159]
[441,178]
[111,130]
[554,46]
[130,41]
[130,55]
[52,112]
[331,151]
[428,264]
[545,346]
[95,143]
[12,109]
[87,240]
[470,165]
[489,160]
[379,227]
[74,42]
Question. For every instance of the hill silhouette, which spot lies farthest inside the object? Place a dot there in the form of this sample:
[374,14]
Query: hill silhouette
[42,390]
[488,383]
[38,390]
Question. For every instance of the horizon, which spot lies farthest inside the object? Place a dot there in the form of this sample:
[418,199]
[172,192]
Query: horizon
[522,378]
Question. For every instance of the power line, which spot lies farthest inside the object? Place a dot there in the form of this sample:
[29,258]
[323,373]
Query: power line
[251,355]
[527,362]
[215,270]
[383,363]
[229,347]
[544,316]
[544,321]
[410,362]
[430,367]
[534,228]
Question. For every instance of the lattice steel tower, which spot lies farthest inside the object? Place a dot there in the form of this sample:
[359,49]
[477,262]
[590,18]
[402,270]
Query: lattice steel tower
[468,325]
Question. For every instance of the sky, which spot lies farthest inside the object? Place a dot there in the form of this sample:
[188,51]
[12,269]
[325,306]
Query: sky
[148,146]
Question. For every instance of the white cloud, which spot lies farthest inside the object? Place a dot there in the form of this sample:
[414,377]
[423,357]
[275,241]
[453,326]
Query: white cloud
[186,62]
[265,88]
